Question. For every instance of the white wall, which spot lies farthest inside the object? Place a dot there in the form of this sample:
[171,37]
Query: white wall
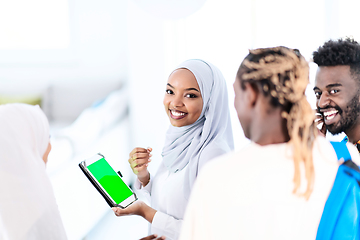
[110,41]
[93,62]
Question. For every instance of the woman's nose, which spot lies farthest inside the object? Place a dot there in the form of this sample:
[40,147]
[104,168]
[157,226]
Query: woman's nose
[177,102]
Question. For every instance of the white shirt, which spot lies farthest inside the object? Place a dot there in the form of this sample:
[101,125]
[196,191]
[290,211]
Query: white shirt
[248,195]
[167,197]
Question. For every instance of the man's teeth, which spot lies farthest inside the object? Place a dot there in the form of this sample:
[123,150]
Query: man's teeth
[176,113]
[330,114]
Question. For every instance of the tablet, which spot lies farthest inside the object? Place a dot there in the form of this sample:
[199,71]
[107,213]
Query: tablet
[108,183]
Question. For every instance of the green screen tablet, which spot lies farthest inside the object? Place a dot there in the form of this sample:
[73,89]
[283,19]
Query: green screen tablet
[107,181]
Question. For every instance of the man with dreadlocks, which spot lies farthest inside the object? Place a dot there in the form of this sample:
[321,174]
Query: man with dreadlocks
[337,88]
[277,186]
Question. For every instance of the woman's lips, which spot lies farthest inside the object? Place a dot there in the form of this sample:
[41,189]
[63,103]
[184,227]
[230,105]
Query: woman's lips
[177,114]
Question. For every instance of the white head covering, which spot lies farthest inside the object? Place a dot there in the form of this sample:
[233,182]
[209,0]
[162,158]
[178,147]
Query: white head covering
[28,209]
[211,135]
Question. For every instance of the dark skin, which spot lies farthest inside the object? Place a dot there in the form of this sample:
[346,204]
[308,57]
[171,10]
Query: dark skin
[261,122]
[335,87]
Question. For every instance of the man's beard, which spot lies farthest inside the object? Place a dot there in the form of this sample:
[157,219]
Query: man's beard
[348,116]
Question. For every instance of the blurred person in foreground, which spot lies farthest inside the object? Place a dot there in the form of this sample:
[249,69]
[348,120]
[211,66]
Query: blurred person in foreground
[28,208]
[337,88]
[277,186]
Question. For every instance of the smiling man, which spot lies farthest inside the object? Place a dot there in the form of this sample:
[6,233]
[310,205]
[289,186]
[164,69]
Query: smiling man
[337,87]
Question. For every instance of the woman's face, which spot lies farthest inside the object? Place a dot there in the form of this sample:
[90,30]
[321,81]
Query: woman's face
[183,101]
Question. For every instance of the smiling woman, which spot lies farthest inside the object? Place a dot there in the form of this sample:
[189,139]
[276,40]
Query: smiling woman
[183,102]
[197,105]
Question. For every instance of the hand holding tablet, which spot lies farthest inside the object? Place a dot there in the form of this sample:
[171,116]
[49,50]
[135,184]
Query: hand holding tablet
[108,183]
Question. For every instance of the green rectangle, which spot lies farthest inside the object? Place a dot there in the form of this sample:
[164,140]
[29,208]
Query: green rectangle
[110,180]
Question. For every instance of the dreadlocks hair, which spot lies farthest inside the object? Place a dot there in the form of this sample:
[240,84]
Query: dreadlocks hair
[283,74]
[340,52]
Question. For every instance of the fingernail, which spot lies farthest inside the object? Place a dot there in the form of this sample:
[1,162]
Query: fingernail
[150,155]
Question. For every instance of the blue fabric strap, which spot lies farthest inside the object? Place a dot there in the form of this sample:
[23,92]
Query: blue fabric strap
[341,150]
[346,139]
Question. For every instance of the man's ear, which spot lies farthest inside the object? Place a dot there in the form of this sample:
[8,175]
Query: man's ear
[252,93]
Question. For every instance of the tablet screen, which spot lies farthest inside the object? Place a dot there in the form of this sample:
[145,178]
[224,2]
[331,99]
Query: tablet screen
[110,180]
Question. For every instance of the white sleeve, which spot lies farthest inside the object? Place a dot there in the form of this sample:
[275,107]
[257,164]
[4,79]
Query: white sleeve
[144,191]
[138,186]
[166,225]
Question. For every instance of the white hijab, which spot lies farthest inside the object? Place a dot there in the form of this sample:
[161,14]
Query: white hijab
[28,209]
[211,135]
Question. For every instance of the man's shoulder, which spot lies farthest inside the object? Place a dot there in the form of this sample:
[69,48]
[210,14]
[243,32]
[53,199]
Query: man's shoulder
[324,148]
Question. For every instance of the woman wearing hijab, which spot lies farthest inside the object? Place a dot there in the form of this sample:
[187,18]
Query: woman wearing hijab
[28,209]
[196,103]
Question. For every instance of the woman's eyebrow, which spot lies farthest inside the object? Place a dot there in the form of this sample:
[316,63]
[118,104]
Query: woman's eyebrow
[187,89]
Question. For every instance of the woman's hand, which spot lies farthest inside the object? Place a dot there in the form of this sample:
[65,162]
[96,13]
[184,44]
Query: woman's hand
[137,208]
[133,209]
[139,159]
[154,236]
